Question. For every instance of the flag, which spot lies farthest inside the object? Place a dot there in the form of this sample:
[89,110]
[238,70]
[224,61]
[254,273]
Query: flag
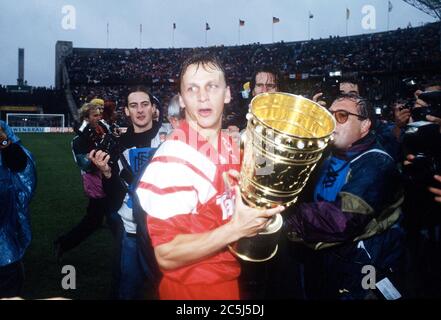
[174,25]
[348,13]
[311,15]
[241,23]
[276,20]
[207,26]
[390,6]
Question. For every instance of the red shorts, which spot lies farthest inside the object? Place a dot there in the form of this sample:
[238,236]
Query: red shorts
[172,290]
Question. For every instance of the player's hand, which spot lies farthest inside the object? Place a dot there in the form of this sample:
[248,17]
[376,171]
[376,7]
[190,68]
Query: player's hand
[249,221]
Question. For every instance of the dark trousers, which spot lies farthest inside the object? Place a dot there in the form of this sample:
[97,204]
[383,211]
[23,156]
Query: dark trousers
[277,278]
[11,279]
[132,275]
[337,272]
[93,220]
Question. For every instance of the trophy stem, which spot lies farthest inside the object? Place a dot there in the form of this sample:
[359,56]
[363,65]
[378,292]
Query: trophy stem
[261,247]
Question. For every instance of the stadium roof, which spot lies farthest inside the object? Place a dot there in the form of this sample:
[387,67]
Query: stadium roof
[431,7]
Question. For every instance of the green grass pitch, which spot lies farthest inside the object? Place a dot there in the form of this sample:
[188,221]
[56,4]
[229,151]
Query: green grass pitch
[58,204]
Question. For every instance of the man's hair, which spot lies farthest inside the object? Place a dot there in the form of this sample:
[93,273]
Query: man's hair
[364,108]
[139,88]
[174,109]
[205,60]
[267,69]
[87,108]
[355,81]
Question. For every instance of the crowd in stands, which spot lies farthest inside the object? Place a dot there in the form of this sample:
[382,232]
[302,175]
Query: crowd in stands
[381,60]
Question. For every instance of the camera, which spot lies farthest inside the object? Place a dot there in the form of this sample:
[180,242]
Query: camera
[330,87]
[102,137]
[423,140]
[383,112]
[433,99]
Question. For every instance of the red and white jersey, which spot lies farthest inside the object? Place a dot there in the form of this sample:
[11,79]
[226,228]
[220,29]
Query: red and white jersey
[183,192]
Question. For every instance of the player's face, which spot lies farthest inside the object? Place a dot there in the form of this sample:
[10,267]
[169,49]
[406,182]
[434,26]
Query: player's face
[140,111]
[203,94]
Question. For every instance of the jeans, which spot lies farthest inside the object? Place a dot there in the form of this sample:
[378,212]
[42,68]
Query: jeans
[132,270]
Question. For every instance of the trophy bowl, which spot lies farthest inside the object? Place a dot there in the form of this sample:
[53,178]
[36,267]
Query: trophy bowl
[285,137]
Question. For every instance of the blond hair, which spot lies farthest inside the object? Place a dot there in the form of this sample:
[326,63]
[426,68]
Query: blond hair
[87,108]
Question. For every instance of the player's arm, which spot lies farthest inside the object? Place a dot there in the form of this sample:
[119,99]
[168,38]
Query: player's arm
[185,249]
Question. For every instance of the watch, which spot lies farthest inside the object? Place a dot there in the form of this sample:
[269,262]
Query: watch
[4,143]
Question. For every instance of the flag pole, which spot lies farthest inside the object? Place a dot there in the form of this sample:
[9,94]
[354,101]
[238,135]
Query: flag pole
[388,14]
[140,36]
[309,26]
[272,32]
[173,37]
[238,32]
[347,20]
[107,37]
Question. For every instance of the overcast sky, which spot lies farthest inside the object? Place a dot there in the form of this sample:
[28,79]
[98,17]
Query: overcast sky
[36,25]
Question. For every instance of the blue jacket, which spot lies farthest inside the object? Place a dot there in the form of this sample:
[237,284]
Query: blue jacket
[16,191]
[357,196]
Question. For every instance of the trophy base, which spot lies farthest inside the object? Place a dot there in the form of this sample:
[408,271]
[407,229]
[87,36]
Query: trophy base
[249,259]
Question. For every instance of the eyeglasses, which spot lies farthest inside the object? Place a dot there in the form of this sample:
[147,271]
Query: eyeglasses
[342,115]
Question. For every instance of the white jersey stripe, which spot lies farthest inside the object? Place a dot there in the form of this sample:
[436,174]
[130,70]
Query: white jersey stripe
[164,206]
[176,148]
[167,174]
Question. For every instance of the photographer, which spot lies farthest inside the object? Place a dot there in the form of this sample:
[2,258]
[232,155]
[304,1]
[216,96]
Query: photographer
[422,169]
[332,88]
[435,191]
[421,102]
[97,208]
[121,171]
[18,180]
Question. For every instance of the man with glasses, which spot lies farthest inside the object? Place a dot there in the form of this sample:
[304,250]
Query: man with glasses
[354,210]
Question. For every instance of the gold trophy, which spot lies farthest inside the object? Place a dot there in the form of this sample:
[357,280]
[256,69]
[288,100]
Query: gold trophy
[285,137]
